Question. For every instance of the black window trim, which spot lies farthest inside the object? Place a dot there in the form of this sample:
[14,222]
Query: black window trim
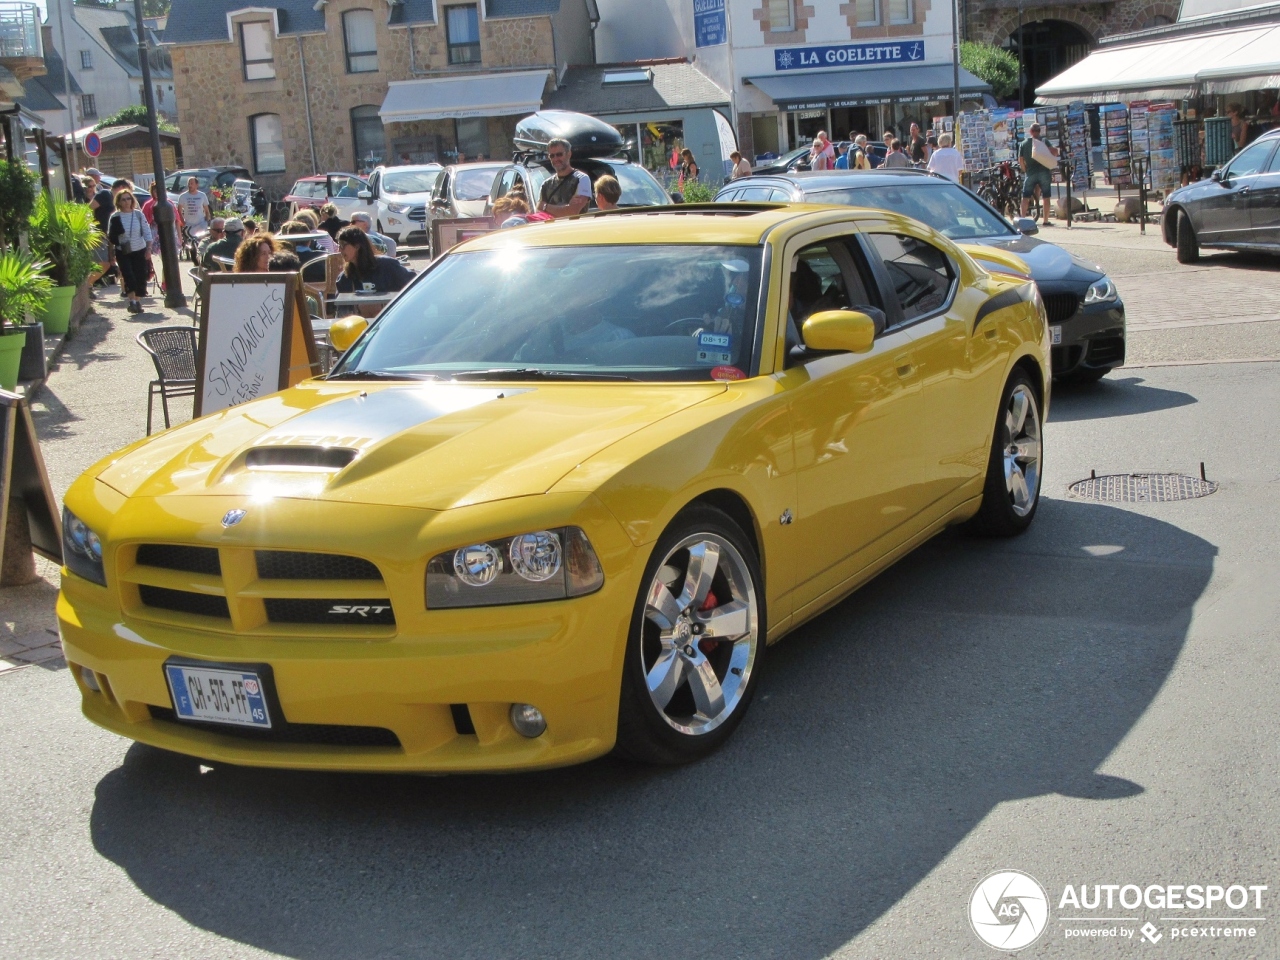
[897,320]
[244,54]
[360,53]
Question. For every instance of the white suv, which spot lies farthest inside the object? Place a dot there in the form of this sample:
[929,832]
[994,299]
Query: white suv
[399,198]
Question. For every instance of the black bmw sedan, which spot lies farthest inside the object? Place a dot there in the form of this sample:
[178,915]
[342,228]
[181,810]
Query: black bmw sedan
[1237,209]
[1086,315]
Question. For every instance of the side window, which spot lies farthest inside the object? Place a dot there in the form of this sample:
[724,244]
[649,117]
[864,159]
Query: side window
[780,196]
[830,275]
[1274,165]
[502,186]
[758,194]
[1249,160]
[921,274]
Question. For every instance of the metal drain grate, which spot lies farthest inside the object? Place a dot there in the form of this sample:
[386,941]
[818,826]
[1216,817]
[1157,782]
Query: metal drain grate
[1142,488]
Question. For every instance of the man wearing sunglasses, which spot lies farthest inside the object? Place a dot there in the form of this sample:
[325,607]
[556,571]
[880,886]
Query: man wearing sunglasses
[569,191]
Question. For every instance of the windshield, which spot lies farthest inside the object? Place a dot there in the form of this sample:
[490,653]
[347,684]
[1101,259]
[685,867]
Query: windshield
[417,181]
[473,184]
[671,312]
[639,189]
[949,209]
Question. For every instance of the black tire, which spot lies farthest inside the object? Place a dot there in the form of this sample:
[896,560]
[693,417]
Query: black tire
[1000,515]
[1188,245]
[645,733]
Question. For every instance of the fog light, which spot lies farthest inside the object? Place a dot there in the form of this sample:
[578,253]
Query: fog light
[528,720]
[90,680]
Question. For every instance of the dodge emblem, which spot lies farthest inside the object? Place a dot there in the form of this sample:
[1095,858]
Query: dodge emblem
[232,517]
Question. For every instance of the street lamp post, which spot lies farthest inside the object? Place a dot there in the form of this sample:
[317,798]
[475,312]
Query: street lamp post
[173,295]
[955,66]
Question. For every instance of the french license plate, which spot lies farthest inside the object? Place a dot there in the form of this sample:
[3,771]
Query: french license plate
[218,695]
[1055,335]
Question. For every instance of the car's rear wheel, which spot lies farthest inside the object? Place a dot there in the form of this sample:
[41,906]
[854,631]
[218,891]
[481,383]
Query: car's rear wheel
[697,637]
[1188,245]
[1012,491]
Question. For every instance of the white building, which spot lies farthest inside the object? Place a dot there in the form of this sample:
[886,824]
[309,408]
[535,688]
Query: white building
[102,56]
[797,67]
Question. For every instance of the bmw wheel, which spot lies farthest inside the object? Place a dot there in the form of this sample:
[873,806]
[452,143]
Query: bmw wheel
[1012,491]
[697,638]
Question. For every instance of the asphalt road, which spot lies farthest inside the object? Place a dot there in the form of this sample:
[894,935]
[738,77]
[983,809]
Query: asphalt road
[1091,703]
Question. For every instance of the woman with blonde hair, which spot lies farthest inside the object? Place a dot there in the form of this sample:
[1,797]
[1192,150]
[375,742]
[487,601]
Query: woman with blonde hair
[312,220]
[329,220]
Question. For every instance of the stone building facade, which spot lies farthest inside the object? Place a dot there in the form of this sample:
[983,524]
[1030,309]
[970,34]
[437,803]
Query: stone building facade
[317,108]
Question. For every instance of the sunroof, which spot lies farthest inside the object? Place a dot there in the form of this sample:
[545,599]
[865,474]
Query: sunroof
[642,75]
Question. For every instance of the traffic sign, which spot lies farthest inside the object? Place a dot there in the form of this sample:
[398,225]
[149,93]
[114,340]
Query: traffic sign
[92,144]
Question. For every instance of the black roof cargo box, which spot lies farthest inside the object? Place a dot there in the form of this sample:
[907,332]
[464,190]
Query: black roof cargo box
[590,137]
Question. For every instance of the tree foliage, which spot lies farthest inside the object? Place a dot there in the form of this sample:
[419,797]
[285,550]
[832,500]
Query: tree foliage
[133,114]
[150,8]
[990,63]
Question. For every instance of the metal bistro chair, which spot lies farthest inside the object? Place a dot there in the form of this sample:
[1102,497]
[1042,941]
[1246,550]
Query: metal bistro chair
[173,350]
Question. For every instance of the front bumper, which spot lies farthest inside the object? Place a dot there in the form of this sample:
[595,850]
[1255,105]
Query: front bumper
[1093,338]
[368,701]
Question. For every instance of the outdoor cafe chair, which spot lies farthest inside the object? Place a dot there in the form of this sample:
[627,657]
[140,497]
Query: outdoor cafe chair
[173,351]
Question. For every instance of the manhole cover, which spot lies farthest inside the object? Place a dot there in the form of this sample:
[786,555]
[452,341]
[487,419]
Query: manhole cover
[1142,488]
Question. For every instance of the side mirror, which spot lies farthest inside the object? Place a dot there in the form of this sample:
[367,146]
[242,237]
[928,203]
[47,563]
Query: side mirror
[365,195]
[343,333]
[1216,176]
[847,331]
[1026,226]
[677,197]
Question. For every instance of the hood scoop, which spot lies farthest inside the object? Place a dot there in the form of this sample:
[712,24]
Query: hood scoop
[299,459]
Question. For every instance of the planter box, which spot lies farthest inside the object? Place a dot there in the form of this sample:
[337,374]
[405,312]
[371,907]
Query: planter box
[32,365]
[81,306]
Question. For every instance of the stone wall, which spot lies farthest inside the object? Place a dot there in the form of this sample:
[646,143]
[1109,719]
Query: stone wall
[215,103]
[995,23]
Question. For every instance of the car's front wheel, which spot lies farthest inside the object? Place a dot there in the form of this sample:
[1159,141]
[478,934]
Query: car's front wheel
[1188,245]
[696,643]
[1012,491]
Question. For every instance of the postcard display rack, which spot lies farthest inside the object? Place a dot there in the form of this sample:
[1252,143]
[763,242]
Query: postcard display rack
[1113,120]
[1077,124]
[975,140]
[1165,171]
[1004,136]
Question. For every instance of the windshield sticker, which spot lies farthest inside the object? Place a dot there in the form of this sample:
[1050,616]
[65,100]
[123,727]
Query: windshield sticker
[714,348]
[727,373]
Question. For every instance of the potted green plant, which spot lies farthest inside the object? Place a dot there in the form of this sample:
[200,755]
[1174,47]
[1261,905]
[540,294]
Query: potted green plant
[24,287]
[66,234]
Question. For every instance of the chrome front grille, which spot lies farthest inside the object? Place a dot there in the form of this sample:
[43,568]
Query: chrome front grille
[242,590]
[418,214]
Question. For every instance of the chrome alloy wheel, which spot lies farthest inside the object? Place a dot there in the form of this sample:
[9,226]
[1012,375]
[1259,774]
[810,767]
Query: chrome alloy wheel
[699,635]
[1021,444]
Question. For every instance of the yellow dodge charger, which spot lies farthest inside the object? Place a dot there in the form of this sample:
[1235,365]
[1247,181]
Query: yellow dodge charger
[560,496]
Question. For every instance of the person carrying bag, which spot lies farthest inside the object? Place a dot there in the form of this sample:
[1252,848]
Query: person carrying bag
[130,235]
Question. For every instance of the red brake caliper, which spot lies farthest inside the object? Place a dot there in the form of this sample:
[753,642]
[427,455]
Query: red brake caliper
[708,646]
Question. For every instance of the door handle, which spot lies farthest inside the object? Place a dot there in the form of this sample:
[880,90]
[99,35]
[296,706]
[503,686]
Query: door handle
[904,366]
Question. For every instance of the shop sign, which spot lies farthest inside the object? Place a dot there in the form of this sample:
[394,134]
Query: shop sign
[847,54]
[709,24]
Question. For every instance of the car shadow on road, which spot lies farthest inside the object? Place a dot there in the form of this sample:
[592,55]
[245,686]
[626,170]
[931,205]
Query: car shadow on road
[1116,395]
[974,672]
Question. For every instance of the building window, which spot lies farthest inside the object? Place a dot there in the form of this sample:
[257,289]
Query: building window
[366,133]
[463,24]
[86,59]
[159,94]
[780,20]
[267,136]
[256,51]
[472,135]
[900,11]
[88,106]
[362,41]
[868,13]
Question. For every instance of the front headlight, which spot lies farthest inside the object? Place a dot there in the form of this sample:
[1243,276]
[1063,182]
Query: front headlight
[398,207]
[81,549]
[1104,291]
[541,565]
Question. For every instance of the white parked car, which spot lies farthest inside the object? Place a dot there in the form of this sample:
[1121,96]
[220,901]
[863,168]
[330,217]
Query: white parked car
[398,198]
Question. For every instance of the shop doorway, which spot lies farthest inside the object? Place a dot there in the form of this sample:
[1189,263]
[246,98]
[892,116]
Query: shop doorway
[1047,48]
[852,120]
[807,124]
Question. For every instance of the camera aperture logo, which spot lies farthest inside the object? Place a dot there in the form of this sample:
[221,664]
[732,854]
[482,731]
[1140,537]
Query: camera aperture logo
[1009,910]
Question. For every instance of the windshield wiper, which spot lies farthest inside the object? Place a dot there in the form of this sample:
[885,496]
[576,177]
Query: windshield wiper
[536,373]
[379,375]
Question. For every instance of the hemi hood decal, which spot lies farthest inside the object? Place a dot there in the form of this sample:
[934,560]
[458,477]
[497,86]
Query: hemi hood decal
[1023,293]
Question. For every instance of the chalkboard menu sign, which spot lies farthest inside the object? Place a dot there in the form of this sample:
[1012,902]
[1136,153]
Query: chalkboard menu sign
[24,486]
[255,339]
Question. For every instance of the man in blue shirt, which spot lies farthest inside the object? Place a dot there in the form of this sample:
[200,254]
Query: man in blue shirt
[842,161]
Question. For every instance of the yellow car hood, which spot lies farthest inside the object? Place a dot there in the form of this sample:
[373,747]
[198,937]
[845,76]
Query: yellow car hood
[427,445]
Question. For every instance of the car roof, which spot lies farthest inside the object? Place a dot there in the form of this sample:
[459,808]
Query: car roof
[479,164]
[693,223]
[409,166]
[834,179]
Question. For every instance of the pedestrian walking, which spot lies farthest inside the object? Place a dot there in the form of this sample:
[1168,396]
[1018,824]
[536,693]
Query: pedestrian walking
[821,153]
[688,166]
[569,192]
[130,236]
[740,166]
[861,154]
[194,212]
[896,158]
[946,160]
[1037,159]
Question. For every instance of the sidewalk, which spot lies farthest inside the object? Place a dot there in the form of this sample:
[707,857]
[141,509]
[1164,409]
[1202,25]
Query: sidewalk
[93,403]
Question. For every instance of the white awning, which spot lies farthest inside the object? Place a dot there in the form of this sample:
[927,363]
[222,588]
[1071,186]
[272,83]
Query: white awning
[477,95]
[1222,61]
